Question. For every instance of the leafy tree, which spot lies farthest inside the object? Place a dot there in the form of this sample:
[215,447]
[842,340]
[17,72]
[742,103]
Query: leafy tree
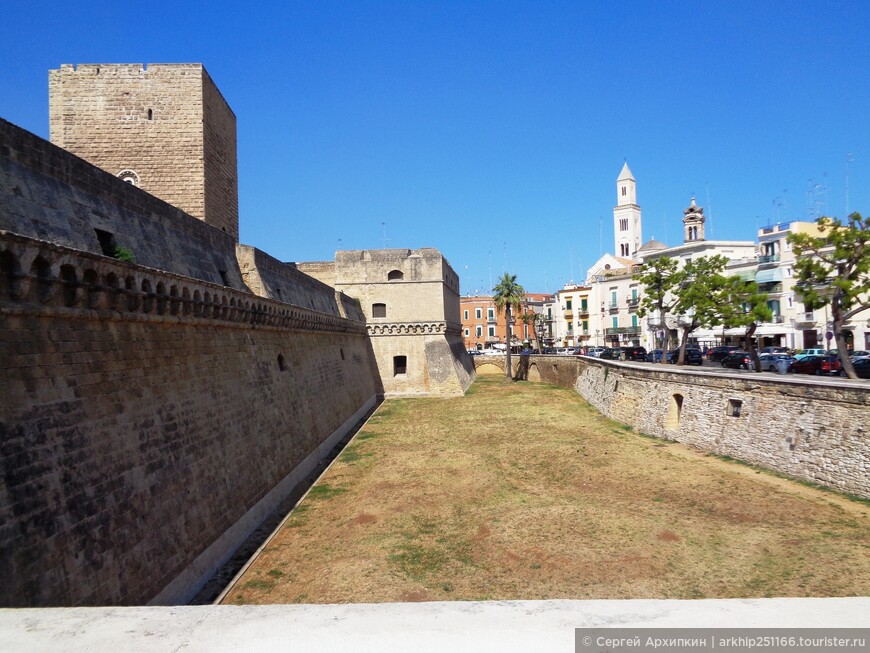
[742,304]
[660,277]
[508,295]
[699,296]
[833,269]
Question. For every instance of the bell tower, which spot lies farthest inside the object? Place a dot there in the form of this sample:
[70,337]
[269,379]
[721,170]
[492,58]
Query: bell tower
[626,216]
[693,223]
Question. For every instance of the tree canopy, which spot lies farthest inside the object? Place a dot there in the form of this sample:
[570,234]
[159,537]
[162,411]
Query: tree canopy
[833,269]
[659,277]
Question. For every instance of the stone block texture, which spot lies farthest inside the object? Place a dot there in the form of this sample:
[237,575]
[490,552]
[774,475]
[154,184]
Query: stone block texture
[165,126]
[143,415]
[50,194]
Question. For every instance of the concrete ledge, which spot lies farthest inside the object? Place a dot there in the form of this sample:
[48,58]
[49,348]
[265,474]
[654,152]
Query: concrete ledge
[419,627]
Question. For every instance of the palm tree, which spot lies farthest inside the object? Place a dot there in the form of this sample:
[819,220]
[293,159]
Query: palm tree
[507,295]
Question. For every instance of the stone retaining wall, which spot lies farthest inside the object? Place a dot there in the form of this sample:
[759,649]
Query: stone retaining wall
[811,431]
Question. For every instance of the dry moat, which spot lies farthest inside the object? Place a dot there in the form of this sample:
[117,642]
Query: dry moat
[522,491]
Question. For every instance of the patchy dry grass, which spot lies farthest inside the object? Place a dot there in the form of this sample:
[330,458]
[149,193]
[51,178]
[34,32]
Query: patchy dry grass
[523,491]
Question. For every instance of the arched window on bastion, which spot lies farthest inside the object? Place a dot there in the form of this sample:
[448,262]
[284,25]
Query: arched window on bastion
[395,275]
[379,310]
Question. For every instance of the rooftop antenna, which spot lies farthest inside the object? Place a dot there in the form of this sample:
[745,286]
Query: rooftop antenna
[600,235]
[825,193]
[849,160]
[665,219]
[709,211]
[572,265]
[384,228]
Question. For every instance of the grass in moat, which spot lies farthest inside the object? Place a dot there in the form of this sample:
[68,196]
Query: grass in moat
[523,491]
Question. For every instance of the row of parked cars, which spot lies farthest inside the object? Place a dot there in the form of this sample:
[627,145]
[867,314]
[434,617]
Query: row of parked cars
[811,361]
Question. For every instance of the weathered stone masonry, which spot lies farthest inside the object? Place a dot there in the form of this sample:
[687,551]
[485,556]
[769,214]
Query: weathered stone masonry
[151,413]
[809,431]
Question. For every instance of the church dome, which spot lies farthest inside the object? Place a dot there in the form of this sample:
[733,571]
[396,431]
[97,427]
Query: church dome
[652,246]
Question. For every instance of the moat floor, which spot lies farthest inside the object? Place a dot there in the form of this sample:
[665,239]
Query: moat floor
[522,491]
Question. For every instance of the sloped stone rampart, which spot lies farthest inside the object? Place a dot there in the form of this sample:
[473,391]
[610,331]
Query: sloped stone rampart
[149,421]
[50,194]
[808,430]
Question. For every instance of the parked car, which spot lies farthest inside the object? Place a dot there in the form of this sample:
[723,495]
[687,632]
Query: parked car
[693,356]
[861,353]
[818,365]
[492,352]
[595,351]
[862,367]
[611,354]
[718,353]
[739,360]
[811,352]
[774,350]
[634,353]
[653,356]
[769,361]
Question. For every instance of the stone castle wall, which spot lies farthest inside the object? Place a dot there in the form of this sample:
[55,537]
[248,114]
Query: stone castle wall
[151,413]
[52,195]
[149,422]
[168,123]
[268,277]
[815,432]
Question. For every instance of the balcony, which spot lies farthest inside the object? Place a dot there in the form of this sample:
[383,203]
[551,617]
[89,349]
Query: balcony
[770,288]
[613,307]
[768,258]
[633,303]
[569,314]
[491,319]
[583,313]
[630,330]
[805,321]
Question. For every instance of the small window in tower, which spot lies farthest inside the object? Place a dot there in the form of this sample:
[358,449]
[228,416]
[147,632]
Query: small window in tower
[395,275]
[150,114]
[400,365]
[623,191]
[379,310]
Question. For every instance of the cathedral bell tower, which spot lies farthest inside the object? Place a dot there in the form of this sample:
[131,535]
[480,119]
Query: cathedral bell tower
[626,216]
[693,223]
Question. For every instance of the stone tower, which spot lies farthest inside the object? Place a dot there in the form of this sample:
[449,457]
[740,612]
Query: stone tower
[693,223]
[626,216]
[163,127]
[410,299]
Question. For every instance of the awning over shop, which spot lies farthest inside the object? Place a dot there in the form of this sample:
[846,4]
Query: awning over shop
[773,275]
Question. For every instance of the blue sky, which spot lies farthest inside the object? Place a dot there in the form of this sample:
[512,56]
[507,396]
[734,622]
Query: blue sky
[494,131]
